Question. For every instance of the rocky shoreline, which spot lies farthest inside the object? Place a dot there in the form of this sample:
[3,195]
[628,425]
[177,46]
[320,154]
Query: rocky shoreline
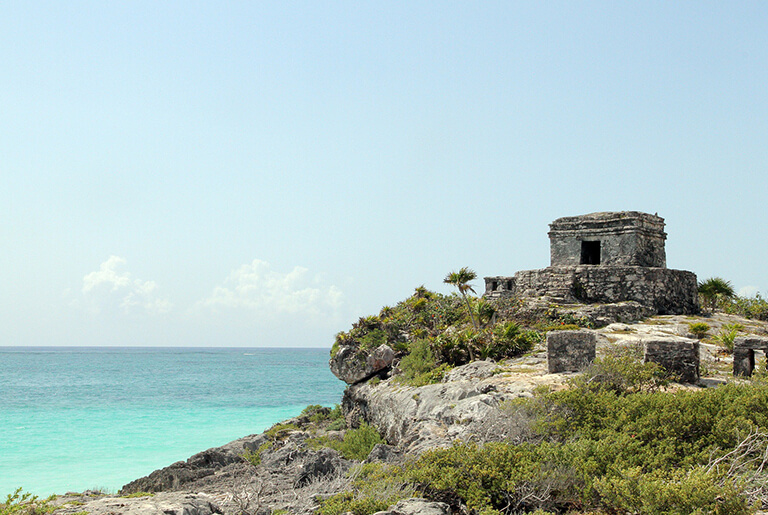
[282,471]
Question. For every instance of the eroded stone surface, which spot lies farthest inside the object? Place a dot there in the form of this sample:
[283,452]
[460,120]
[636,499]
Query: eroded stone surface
[353,365]
[570,351]
[679,356]
[417,506]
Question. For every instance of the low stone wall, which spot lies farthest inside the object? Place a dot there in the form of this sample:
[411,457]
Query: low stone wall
[570,351]
[666,291]
[679,357]
[744,348]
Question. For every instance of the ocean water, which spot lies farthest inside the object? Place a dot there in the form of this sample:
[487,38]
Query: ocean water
[73,419]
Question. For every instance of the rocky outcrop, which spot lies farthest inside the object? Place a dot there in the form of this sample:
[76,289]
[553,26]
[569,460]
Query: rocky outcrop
[353,365]
[167,503]
[464,407]
[417,506]
[206,463]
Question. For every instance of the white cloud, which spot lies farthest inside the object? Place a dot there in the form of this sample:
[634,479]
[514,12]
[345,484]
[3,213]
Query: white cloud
[111,288]
[267,293]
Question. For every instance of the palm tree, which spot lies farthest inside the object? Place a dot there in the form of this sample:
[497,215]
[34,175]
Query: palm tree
[714,289]
[461,281]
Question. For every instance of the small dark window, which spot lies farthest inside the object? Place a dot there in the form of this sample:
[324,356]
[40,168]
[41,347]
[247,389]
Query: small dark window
[509,285]
[494,285]
[590,252]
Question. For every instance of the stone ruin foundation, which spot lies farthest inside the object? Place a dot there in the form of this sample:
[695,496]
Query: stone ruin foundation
[570,351]
[679,357]
[744,348]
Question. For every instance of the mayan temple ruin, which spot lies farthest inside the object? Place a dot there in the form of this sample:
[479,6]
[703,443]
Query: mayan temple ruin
[605,258]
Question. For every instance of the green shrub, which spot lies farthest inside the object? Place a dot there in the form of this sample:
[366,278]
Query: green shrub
[510,340]
[420,367]
[620,371]
[24,503]
[749,307]
[280,431]
[254,457]
[346,502]
[374,488]
[138,494]
[699,329]
[727,334]
[317,413]
[356,444]
[715,292]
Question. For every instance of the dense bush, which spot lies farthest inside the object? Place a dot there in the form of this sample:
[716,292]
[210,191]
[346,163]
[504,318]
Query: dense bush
[24,503]
[355,445]
[749,307]
[437,332]
[420,367]
[424,314]
[374,487]
[639,453]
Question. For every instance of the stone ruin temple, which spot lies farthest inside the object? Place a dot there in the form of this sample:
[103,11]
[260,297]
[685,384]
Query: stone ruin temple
[605,258]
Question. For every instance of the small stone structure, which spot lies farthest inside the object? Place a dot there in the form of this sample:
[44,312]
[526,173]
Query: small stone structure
[626,238]
[570,351]
[679,357]
[605,258]
[744,348]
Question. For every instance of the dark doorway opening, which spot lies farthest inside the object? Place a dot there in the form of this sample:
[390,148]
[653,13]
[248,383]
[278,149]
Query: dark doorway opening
[590,252]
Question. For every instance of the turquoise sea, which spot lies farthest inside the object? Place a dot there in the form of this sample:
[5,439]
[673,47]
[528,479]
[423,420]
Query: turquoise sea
[73,419]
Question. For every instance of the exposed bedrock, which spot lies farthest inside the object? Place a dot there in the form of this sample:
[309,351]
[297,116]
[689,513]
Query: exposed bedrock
[465,406]
[352,364]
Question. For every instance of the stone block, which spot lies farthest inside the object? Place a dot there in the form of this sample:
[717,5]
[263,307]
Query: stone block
[744,348]
[678,356]
[570,351]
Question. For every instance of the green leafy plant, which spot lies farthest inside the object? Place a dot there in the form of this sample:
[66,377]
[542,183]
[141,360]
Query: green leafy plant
[355,445]
[726,335]
[254,457]
[749,307]
[461,280]
[280,431]
[699,329]
[374,488]
[420,367]
[138,494]
[24,503]
[713,291]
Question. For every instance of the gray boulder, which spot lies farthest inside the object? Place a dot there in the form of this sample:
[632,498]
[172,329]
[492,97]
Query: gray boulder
[354,365]
[417,506]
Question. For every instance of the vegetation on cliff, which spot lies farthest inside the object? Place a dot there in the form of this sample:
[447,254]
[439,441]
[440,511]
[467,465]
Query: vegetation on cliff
[614,441]
[433,332]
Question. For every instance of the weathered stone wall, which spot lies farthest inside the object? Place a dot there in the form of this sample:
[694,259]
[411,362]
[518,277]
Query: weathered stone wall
[664,290]
[744,348]
[678,356]
[627,238]
[570,351]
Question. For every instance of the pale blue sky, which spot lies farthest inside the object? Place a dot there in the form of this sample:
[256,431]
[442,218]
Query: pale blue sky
[243,173]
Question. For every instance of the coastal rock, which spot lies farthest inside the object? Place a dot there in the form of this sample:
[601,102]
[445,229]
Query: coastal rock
[322,463]
[167,503]
[417,506]
[418,418]
[384,453]
[202,464]
[353,365]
